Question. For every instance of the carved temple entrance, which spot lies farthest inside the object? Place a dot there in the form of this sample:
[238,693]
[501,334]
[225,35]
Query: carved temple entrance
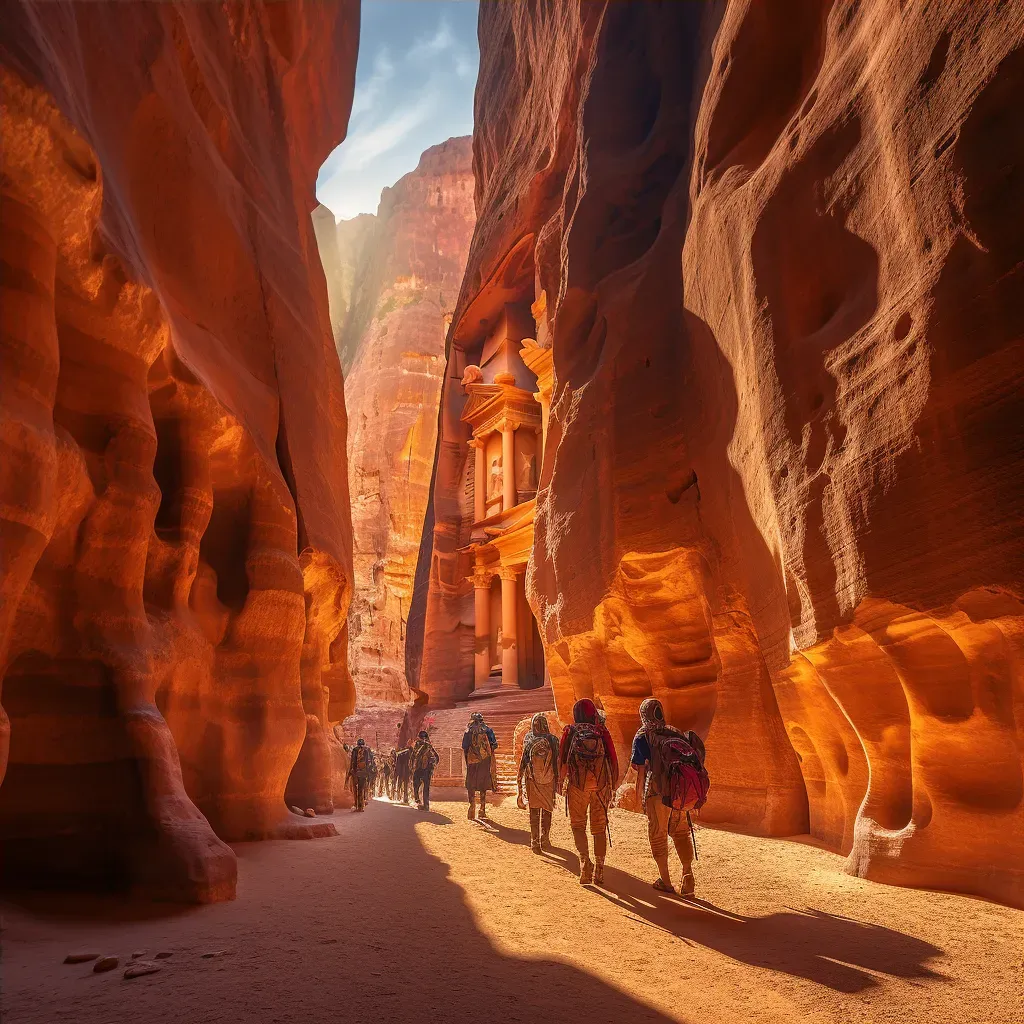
[508,419]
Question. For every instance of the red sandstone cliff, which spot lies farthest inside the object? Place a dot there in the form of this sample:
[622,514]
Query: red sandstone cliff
[176,547]
[396,276]
[783,478]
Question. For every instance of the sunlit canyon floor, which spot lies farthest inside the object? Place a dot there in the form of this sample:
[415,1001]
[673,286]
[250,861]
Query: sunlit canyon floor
[411,916]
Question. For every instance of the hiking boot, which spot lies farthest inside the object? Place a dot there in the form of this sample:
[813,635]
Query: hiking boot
[599,874]
[587,873]
[472,812]
[687,886]
[483,812]
[535,847]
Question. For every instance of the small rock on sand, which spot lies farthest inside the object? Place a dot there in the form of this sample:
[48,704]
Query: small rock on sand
[138,953]
[296,810]
[141,967]
[80,958]
[219,952]
[310,813]
[163,956]
[105,963]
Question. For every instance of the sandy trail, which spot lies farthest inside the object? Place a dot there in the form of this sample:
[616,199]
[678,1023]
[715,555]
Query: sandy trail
[408,916]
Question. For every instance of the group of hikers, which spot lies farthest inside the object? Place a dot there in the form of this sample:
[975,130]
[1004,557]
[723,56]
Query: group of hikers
[373,773]
[671,780]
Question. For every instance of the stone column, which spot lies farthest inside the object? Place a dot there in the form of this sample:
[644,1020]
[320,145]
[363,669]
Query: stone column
[509,647]
[508,465]
[482,625]
[480,486]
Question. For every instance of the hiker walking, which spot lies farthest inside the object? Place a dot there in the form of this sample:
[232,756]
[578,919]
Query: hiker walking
[591,772]
[360,770]
[403,771]
[424,761]
[478,747]
[383,775]
[671,781]
[538,777]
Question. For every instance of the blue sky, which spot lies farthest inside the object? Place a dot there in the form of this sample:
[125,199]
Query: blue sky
[414,88]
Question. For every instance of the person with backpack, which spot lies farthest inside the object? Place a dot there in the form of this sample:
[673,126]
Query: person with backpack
[478,747]
[590,770]
[424,760]
[403,772]
[538,776]
[671,781]
[361,772]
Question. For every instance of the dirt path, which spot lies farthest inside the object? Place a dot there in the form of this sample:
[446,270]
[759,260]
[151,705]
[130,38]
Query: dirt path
[428,917]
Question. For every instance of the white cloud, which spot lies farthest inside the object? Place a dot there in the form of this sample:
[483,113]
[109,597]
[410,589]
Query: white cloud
[365,146]
[368,93]
[432,46]
[464,66]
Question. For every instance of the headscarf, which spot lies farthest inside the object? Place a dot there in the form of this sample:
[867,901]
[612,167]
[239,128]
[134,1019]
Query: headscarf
[476,717]
[424,735]
[584,710]
[651,712]
[540,724]
[360,742]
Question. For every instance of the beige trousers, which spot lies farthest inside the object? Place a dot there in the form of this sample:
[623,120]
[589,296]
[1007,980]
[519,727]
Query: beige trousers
[662,824]
[579,803]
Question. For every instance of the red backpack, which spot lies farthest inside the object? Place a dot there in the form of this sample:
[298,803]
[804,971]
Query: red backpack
[586,758]
[682,777]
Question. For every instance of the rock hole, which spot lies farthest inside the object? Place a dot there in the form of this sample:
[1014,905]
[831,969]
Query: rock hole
[902,328]
[936,64]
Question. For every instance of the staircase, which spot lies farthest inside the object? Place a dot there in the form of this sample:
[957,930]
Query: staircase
[503,708]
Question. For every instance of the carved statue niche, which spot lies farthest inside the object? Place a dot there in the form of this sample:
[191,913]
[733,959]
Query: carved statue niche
[472,375]
[527,472]
[497,479]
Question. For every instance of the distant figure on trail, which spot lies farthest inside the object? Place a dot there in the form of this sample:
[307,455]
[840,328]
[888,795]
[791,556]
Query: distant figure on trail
[538,777]
[478,747]
[403,772]
[383,775]
[389,774]
[360,770]
[671,780]
[591,772]
[424,761]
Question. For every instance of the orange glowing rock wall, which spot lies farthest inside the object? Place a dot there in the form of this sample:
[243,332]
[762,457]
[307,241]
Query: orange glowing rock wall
[397,275]
[782,488]
[176,547]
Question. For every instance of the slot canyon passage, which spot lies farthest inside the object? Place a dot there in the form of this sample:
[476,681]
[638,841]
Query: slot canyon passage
[696,373]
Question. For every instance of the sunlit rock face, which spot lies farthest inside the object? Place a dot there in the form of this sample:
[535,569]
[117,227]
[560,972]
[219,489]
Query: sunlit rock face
[176,548]
[397,275]
[782,484]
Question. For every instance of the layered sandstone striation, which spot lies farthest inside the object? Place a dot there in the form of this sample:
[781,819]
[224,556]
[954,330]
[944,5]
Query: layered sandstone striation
[176,550]
[782,288]
[396,276]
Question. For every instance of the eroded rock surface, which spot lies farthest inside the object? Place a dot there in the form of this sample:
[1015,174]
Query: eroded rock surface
[782,481]
[396,276]
[176,549]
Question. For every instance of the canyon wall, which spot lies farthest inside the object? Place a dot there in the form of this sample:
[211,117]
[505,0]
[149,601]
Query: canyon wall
[782,287]
[396,278]
[175,545]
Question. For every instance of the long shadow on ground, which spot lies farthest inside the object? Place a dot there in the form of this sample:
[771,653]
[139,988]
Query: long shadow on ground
[834,951]
[363,926]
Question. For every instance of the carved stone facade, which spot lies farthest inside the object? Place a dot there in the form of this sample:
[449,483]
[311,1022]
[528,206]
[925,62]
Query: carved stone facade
[507,424]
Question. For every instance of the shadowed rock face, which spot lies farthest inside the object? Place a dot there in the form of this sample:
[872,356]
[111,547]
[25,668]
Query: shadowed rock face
[395,278]
[176,547]
[782,484]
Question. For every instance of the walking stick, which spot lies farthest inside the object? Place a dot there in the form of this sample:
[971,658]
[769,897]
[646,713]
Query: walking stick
[693,835]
